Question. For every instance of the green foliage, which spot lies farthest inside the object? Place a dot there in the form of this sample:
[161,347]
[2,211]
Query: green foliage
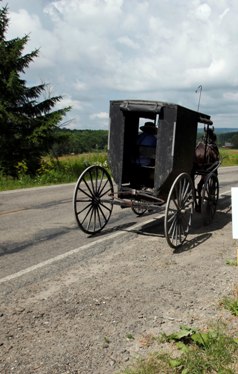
[79,141]
[52,171]
[232,262]
[130,336]
[231,304]
[27,123]
[200,352]
[229,156]
[228,137]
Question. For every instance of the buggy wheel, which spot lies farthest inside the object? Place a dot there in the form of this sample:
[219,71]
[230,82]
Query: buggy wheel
[93,199]
[179,210]
[137,209]
[210,194]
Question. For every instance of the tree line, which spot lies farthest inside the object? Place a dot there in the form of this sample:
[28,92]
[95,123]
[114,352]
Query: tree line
[83,141]
[229,137]
[78,141]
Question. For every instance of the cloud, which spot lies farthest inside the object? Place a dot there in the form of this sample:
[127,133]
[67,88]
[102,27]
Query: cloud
[203,12]
[94,51]
[101,115]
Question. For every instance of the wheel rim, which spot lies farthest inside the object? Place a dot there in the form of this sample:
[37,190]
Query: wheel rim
[179,210]
[139,210]
[210,194]
[93,199]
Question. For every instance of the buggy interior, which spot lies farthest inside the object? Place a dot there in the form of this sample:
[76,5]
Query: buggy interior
[134,173]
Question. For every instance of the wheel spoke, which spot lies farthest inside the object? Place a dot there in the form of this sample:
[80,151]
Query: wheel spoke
[83,200]
[85,192]
[90,188]
[172,216]
[105,206]
[100,188]
[105,192]
[83,209]
[88,212]
[173,225]
[101,206]
[176,203]
[90,218]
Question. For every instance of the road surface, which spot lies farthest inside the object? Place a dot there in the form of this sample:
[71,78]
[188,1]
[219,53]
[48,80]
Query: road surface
[37,224]
[69,303]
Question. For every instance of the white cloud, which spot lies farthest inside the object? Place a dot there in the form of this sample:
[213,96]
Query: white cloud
[203,12]
[80,86]
[94,51]
[101,115]
[68,101]
[22,23]
[223,14]
[128,42]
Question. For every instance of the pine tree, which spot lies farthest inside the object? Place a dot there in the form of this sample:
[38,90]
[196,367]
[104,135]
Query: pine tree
[27,124]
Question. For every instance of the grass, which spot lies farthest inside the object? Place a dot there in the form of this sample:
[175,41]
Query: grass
[231,303]
[194,351]
[66,169]
[232,262]
[229,156]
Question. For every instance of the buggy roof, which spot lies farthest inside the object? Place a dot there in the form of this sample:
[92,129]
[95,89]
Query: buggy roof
[155,107]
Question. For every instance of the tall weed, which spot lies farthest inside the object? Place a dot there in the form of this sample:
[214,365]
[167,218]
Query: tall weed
[65,169]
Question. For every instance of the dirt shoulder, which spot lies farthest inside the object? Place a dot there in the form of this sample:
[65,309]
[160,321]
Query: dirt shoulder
[97,316]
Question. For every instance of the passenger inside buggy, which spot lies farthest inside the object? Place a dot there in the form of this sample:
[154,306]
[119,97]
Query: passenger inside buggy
[147,138]
[143,170]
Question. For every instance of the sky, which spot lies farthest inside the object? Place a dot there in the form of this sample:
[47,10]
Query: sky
[93,51]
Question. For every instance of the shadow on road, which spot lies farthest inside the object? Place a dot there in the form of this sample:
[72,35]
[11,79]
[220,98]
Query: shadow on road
[6,248]
[202,233]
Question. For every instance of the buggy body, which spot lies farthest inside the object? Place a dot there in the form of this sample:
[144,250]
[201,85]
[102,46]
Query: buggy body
[176,141]
[170,180]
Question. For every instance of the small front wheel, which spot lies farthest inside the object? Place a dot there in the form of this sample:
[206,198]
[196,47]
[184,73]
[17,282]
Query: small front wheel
[139,209]
[93,199]
[179,210]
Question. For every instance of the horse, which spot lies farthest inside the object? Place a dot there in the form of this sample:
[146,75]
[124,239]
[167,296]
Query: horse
[206,155]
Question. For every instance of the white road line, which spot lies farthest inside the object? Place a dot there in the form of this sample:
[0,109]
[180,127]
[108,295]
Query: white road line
[226,193]
[72,252]
[77,250]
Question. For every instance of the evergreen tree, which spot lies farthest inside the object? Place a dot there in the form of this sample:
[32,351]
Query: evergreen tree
[27,122]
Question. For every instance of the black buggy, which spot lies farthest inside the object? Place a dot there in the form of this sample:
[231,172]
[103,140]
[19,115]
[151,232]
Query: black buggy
[172,183]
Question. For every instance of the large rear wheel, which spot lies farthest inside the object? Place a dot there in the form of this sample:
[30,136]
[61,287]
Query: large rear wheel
[179,210]
[93,199]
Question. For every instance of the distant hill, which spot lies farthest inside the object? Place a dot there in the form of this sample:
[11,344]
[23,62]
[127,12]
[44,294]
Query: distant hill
[224,130]
[221,130]
[225,136]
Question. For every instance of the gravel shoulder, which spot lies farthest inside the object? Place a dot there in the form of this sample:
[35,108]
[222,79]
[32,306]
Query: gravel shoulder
[97,317]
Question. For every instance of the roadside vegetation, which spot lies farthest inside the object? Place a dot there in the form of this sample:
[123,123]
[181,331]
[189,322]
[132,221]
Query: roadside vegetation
[229,156]
[195,351]
[67,169]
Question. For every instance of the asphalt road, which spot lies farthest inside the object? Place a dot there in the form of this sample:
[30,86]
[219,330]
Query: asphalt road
[37,226]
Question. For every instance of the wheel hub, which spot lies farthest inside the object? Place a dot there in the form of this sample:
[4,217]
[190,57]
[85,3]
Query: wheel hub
[96,200]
